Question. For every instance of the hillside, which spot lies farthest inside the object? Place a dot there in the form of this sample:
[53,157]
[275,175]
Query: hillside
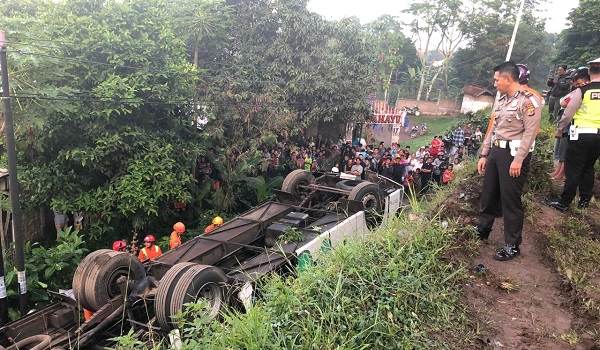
[549,297]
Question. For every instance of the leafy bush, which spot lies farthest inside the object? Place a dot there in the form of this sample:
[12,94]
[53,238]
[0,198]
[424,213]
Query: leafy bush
[48,268]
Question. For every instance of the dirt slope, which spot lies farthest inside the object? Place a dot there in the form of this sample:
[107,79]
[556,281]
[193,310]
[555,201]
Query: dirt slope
[523,303]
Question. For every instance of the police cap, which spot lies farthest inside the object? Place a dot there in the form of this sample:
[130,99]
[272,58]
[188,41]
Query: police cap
[596,61]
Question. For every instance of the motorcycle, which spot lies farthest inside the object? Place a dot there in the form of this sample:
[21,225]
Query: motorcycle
[412,111]
[414,132]
[423,129]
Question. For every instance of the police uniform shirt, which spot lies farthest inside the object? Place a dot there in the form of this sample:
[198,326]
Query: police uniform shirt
[517,117]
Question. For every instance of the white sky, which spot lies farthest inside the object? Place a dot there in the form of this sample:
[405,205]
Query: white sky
[368,10]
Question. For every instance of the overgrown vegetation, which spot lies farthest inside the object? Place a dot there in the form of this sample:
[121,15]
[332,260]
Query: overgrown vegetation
[574,248]
[48,268]
[408,302]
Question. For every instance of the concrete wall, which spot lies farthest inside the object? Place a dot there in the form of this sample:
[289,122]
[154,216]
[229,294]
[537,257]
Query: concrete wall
[473,104]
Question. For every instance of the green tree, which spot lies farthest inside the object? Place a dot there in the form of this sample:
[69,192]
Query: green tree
[579,43]
[489,33]
[397,54]
[119,144]
[437,27]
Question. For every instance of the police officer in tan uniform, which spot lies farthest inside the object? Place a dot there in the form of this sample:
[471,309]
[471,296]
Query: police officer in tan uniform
[505,157]
[582,118]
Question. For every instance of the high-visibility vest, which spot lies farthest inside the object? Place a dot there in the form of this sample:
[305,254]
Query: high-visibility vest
[146,254]
[588,115]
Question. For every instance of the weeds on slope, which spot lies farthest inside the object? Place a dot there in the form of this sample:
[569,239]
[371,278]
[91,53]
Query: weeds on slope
[575,253]
[385,291]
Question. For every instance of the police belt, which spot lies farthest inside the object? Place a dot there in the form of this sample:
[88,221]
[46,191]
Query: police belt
[588,131]
[501,143]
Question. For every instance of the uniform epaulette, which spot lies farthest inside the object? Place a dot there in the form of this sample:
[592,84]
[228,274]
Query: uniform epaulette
[527,93]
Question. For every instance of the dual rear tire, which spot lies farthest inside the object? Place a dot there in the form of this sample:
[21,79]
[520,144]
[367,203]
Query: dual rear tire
[189,283]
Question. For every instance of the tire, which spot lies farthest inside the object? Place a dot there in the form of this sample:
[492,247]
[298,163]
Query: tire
[103,272]
[81,274]
[417,113]
[187,284]
[348,184]
[164,291]
[370,195]
[293,182]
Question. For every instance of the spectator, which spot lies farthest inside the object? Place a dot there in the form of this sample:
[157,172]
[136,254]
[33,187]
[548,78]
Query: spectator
[559,86]
[60,221]
[436,144]
[357,169]
[459,136]
[426,175]
[448,175]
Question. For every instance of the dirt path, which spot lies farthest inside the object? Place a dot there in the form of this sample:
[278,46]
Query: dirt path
[521,304]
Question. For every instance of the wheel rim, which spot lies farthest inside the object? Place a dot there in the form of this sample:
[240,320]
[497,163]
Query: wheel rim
[370,201]
[211,292]
[112,286]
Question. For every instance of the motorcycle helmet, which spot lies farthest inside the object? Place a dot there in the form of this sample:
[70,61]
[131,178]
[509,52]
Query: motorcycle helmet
[524,74]
[579,73]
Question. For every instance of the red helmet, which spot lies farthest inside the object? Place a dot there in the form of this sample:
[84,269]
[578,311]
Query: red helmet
[150,239]
[179,227]
[118,245]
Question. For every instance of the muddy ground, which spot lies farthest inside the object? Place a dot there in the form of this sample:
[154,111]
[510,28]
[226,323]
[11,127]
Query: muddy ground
[524,303]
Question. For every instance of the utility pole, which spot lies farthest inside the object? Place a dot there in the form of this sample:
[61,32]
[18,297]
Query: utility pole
[13,181]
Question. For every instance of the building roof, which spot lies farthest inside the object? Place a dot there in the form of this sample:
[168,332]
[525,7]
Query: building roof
[476,91]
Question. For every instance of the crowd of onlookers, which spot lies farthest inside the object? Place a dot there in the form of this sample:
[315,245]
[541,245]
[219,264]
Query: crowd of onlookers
[417,170]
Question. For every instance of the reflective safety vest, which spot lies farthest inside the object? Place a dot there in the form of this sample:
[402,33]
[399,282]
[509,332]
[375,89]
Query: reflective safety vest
[588,115]
[151,253]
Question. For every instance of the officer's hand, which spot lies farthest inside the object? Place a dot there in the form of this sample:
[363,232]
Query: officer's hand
[558,134]
[515,169]
[481,166]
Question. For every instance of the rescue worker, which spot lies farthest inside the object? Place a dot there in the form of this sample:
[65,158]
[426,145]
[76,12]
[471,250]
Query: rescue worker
[150,250]
[119,246]
[505,158]
[175,239]
[216,222]
[584,141]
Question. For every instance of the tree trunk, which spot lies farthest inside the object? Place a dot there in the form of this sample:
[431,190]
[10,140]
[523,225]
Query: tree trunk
[440,68]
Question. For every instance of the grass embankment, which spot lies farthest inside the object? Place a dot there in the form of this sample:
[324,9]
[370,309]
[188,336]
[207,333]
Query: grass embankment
[392,290]
[435,126]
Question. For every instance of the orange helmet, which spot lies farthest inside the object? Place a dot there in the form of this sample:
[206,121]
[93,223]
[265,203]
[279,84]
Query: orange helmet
[179,227]
[150,239]
[217,221]
[118,245]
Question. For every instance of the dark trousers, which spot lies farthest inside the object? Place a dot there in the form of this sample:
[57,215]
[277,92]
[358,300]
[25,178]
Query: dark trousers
[554,107]
[579,167]
[502,191]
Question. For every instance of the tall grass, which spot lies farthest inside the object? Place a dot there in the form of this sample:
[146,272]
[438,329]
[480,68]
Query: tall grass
[385,291]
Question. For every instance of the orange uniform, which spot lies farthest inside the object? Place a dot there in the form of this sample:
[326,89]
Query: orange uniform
[149,253]
[210,228]
[175,240]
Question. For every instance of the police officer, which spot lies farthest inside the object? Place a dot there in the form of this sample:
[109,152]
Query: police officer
[505,157]
[583,111]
